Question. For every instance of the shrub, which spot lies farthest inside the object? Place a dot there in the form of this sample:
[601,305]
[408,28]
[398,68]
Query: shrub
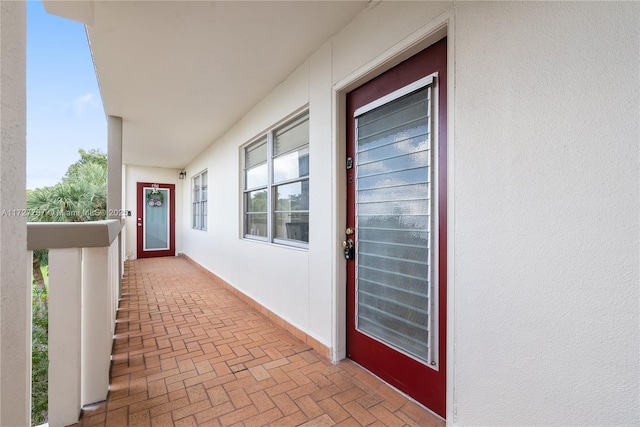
[39,357]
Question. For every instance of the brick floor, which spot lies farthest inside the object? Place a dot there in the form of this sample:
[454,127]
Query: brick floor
[188,352]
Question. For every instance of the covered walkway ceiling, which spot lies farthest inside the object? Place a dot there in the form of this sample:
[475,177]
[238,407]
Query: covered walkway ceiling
[181,73]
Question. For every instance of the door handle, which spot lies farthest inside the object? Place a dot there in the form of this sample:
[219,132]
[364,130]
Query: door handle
[139,224]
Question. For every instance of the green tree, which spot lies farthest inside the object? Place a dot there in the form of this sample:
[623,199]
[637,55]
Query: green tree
[93,156]
[80,196]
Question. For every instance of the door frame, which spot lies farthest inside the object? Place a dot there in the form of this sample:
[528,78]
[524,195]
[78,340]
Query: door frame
[140,200]
[430,33]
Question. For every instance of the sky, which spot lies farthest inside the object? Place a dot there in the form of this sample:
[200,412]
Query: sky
[64,109]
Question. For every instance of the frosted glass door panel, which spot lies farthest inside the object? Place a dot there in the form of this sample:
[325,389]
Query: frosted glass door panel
[394,223]
[156,219]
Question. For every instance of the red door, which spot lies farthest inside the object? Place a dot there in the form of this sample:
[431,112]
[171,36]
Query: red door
[397,213]
[156,218]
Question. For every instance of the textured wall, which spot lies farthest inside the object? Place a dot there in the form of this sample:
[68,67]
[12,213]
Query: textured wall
[15,292]
[546,214]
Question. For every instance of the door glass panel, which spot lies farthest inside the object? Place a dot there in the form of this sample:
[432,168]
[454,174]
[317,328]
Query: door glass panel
[156,219]
[394,224]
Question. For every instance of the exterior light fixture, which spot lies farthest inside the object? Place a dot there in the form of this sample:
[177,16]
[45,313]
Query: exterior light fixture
[182,174]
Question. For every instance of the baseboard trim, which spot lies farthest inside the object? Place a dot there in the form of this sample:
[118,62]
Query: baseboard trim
[277,320]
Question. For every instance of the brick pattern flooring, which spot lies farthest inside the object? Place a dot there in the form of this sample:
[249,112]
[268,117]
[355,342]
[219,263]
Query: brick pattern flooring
[190,353]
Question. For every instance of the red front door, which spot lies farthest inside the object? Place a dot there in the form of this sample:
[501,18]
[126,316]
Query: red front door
[397,206]
[156,217]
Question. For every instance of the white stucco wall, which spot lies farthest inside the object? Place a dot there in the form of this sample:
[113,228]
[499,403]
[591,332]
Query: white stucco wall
[546,214]
[15,265]
[131,176]
[543,203]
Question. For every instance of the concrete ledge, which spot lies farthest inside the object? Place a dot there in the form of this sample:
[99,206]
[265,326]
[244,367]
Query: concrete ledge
[63,235]
[279,321]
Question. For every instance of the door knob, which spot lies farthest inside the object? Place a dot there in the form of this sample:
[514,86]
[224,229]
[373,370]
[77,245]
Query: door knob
[349,231]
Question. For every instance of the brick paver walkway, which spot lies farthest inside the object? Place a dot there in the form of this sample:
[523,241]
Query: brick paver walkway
[190,353]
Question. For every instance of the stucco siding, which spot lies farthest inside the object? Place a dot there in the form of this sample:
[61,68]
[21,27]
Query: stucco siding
[378,28]
[543,203]
[546,214]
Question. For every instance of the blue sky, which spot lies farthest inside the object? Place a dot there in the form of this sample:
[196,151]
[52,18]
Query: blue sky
[64,110]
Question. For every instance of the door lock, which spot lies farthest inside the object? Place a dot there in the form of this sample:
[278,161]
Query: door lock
[349,252]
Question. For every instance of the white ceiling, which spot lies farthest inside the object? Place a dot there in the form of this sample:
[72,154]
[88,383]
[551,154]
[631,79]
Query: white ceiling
[182,73]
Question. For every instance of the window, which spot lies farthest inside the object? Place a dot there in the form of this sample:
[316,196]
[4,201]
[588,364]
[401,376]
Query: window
[199,208]
[276,185]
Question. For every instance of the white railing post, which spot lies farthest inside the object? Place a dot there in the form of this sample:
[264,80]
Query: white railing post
[65,332]
[96,319]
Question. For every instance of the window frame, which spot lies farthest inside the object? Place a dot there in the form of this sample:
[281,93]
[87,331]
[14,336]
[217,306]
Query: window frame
[199,207]
[271,184]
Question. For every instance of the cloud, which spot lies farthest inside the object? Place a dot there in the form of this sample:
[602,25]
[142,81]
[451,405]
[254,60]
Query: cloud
[85,102]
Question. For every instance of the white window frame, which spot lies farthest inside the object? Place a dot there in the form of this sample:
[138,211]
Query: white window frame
[199,201]
[270,186]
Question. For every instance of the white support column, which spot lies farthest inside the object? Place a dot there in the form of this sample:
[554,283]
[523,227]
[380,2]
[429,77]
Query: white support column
[65,332]
[96,320]
[114,178]
[114,167]
[15,284]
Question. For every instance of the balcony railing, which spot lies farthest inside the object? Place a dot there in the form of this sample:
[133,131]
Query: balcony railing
[84,285]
